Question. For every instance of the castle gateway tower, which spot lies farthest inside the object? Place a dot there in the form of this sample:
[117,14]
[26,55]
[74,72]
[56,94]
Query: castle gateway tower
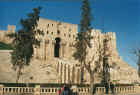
[57,41]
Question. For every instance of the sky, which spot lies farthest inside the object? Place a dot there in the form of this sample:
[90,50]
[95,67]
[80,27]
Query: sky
[119,16]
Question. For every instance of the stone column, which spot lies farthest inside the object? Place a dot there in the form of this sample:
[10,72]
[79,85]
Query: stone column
[73,74]
[1,89]
[71,70]
[60,72]
[37,90]
[69,74]
[65,73]
[78,76]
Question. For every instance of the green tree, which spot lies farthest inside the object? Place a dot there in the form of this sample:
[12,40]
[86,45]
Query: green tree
[83,43]
[137,53]
[106,68]
[24,41]
[84,36]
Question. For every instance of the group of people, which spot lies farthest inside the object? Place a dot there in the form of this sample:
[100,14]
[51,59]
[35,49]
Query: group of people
[64,90]
[112,86]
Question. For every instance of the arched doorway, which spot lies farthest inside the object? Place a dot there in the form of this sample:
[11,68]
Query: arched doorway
[57,47]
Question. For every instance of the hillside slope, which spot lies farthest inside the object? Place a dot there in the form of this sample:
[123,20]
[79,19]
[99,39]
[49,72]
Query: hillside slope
[38,72]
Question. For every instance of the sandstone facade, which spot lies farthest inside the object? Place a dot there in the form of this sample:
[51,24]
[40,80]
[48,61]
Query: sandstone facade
[120,71]
[3,33]
[53,61]
[57,41]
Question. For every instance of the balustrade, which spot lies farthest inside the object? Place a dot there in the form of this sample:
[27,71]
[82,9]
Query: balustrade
[54,90]
[49,90]
[18,90]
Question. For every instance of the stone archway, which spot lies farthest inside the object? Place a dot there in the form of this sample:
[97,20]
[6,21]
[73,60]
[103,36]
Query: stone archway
[57,47]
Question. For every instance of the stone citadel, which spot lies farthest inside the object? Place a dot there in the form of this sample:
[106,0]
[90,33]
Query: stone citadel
[53,61]
[3,33]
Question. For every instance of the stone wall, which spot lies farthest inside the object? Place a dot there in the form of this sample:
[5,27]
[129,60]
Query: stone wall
[3,33]
[45,67]
[38,72]
[54,30]
[120,71]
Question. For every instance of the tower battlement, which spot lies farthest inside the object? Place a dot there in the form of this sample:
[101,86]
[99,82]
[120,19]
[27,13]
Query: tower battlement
[3,33]
[11,28]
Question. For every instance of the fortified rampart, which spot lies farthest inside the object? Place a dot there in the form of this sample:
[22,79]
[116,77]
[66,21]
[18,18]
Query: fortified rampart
[53,61]
[3,34]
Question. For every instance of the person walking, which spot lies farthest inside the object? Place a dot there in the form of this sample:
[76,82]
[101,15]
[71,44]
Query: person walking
[106,88]
[65,91]
[59,91]
[112,87]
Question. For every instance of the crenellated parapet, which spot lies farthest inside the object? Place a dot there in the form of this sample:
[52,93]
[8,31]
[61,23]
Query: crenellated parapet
[3,34]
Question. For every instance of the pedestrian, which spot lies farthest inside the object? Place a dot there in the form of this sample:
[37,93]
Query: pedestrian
[106,88]
[112,87]
[59,91]
[65,91]
[63,87]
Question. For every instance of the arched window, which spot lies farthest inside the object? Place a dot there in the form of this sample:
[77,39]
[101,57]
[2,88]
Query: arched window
[58,32]
[47,32]
[57,47]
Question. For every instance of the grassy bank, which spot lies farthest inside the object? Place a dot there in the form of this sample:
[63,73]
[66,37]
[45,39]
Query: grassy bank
[4,46]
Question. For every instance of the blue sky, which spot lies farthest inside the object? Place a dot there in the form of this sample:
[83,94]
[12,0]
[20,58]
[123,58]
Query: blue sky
[120,16]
